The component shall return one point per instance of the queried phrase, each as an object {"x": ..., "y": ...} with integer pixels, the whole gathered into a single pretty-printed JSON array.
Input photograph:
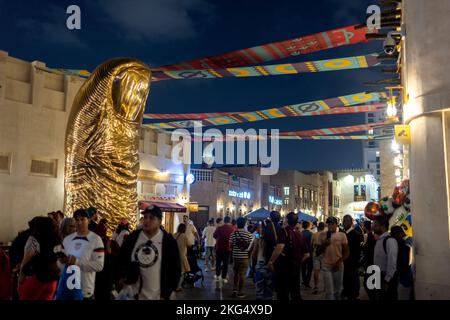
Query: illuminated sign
[
  {"x": 402, "y": 133},
  {"x": 274, "y": 201},
  {"x": 241, "y": 195}
]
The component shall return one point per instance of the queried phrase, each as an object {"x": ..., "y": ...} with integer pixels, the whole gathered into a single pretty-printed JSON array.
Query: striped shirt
[{"x": 240, "y": 241}]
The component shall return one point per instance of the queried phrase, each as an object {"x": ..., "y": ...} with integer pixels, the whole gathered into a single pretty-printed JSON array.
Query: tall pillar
[{"x": 426, "y": 70}]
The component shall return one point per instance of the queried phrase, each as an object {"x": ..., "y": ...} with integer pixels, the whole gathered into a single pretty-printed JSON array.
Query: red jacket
[{"x": 222, "y": 235}]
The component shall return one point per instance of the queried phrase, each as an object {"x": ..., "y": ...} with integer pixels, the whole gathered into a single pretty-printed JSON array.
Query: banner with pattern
[
  {"x": 347, "y": 63},
  {"x": 294, "y": 110},
  {"x": 277, "y": 50}
]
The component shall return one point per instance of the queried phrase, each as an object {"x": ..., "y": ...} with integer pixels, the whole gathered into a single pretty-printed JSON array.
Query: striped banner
[
  {"x": 294, "y": 110},
  {"x": 277, "y": 50},
  {"x": 347, "y": 63},
  {"x": 201, "y": 116},
  {"x": 318, "y": 134}
]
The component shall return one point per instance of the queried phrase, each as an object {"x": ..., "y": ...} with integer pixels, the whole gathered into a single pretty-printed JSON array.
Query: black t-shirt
[{"x": 295, "y": 245}]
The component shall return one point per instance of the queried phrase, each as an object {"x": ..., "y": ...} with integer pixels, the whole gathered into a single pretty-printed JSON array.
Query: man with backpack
[
  {"x": 385, "y": 257},
  {"x": 286, "y": 260},
  {"x": 240, "y": 241},
  {"x": 404, "y": 269}
]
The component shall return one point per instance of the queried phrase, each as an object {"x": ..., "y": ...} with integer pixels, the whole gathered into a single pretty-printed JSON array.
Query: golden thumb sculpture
[{"x": 102, "y": 140}]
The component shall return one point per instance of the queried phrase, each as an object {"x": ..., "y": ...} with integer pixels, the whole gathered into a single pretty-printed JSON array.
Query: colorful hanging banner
[
  {"x": 319, "y": 134},
  {"x": 201, "y": 116},
  {"x": 347, "y": 63},
  {"x": 277, "y": 50},
  {"x": 294, "y": 110}
]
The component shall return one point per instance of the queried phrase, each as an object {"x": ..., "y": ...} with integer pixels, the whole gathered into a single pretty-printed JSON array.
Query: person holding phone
[{"x": 335, "y": 248}]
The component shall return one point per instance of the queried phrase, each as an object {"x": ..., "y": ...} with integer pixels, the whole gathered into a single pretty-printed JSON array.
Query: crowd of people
[{"x": 73, "y": 258}]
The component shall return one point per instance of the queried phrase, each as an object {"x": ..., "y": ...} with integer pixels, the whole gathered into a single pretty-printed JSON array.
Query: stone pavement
[{"x": 213, "y": 290}]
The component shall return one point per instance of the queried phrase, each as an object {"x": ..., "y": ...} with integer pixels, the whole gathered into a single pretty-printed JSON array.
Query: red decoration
[{"x": 373, "y": 209}]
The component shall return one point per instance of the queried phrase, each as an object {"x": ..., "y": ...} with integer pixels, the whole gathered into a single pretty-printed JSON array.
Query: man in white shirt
[
  {"x": 210, "y": 242},
  {"x": 84, "y": 249},
  {"x": 149, "y": 260},
  {"x": 385, "y": 257}
]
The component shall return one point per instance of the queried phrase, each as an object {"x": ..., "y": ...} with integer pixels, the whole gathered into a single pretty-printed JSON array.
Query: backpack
[
  {"x": 402, "y": 256},
  {"x": 292, "y": 249},
  {"x": 240, "y": 242}
]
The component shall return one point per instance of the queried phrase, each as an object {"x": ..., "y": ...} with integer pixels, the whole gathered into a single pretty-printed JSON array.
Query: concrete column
[{"x": 425, "y": 77}]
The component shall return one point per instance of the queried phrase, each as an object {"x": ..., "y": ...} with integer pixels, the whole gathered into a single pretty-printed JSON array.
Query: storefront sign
[
  {"x": 241, "y": 195},
  {"x": 402, "y": 133},
  {"x": 192, "y": 206},
  {"x": 275, "y": 201}
]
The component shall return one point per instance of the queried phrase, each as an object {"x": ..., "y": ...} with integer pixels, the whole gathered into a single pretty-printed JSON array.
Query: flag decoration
[
  {"x": 315, "y": 134},
  {"x": 200, "y": 116},
  {"x": 277, "y": 50},
  {"x": 294, "y": 110},
  {"x": 347, "y": 63}
]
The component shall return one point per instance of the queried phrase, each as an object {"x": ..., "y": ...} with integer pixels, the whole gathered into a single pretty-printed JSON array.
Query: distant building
[{"x": 357, "y": 188}]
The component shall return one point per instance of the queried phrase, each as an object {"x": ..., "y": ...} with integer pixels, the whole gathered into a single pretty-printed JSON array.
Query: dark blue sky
[{"x": 168, "y": 31}]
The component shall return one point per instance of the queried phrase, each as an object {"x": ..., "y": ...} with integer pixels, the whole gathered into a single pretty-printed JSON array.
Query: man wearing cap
[
  {"x": 84, "y": 249},
  {"x": 334, "y": 244},
  {"x": 149, "y": 262}
]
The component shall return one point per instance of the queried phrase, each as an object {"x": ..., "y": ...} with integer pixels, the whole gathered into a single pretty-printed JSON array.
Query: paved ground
[{"x": 213, "y": 290}]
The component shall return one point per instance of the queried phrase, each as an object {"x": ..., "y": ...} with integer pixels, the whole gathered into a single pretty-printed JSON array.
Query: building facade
[{"x": 357, "y": 187}]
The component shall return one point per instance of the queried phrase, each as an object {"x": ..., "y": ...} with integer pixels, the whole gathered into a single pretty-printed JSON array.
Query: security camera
[{"x": 389, "y": 45}]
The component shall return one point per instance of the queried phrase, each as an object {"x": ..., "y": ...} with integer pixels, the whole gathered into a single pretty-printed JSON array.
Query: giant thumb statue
[{"x": 102, "y": 140}]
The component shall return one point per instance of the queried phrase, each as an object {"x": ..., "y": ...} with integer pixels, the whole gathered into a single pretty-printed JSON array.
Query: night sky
[{"x": 168, "y": 31}]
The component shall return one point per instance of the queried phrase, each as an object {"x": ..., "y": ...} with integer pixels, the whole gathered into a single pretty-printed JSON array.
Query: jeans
[
  {"x": 222, "y": 261},
  {"x": 209, "y": 255},
  {"x": 307, "y": 267},
  {"x": 264, "y": 282},
  {"x": 332, "y": 280}
]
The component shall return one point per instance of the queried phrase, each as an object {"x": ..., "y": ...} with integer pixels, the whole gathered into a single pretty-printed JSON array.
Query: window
[
  {"x": 286, "y": 200},
  {"x": 370, "y": 114},
  {"x": 171, "y": 190},
  {"x": 202, "y": 175},
  {"x": 5, "y": 162},
  {"x": 378, "y": 172},
  {"x": 148, "y": 188},
  {"x": 45, "y": 168},
  {"x": 286, "y": 191},
  {"x": 300, "y": 192},
  {"x": 370, "y": 120}
]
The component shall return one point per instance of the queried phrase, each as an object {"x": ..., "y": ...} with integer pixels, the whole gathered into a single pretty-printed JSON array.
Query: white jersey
[{"x": 90, "y": 254}]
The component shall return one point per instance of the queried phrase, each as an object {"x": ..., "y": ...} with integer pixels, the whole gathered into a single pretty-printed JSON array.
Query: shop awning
[
  {"x": 163, "y": 205},
  {"x": 259, "y": 214},
  {"x": 306, "y": 217}
]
